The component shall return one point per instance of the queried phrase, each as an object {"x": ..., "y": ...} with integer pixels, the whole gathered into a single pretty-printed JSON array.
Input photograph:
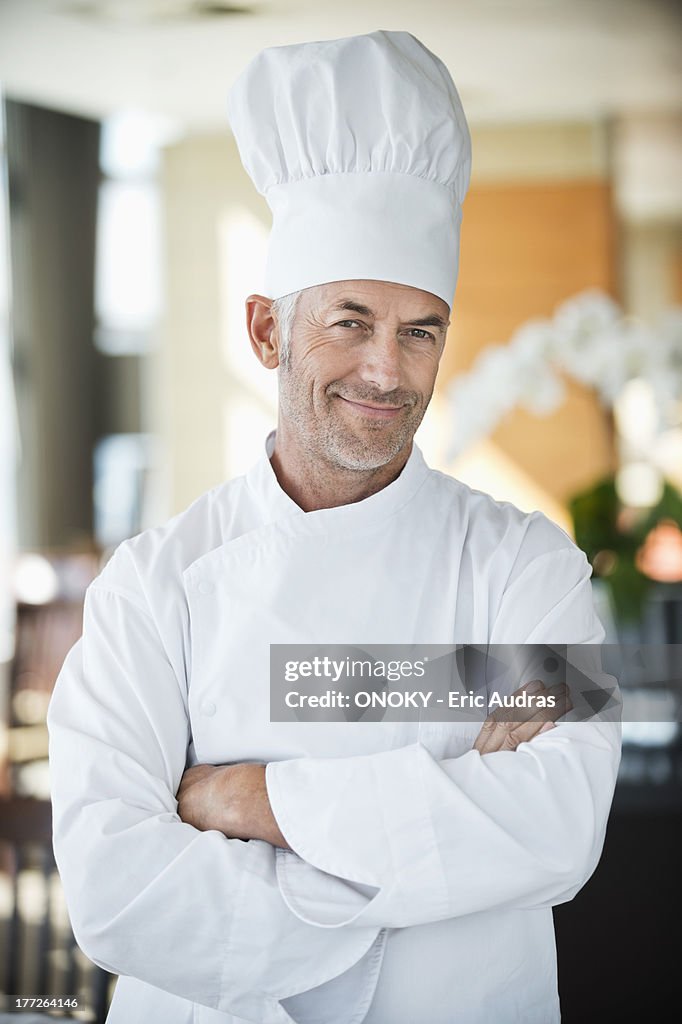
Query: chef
[{"x": 233, "y": 869}]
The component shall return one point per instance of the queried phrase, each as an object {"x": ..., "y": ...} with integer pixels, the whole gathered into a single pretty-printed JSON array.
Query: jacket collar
[{"x": 277, "y": 505}]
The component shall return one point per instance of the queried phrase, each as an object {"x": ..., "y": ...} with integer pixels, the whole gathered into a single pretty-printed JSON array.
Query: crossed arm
[
  {"x": 136, "y": 872},
  {"x": 233, "y": 798}
]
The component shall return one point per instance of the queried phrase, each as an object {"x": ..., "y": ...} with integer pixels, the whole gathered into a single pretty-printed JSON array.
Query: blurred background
[{"x": 130, "y": 236}]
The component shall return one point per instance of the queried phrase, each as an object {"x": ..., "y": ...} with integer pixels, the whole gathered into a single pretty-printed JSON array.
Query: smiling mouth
[{"x": 380, "y": 411}]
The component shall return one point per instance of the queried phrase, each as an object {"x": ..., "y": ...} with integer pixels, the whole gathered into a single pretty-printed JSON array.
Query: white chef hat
[{"x": 362, "y": 151}]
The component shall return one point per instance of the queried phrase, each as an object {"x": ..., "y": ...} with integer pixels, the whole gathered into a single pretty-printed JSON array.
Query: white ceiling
[{"x": 511, "y": 59}]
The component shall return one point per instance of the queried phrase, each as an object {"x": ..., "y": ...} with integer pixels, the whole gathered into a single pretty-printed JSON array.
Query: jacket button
[
  {"x": 208, "y": 708},
  {"x": 205, "y": 587}
]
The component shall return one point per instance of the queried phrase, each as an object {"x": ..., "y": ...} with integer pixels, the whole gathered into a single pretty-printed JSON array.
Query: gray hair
[{"x": 284, "y": 310}]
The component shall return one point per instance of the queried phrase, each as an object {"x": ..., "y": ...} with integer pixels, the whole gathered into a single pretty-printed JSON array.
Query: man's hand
[
  {"x": 230, "y": 798},
  {"x": 498, "y": 734},
  {"x": 233, "y": 798}
]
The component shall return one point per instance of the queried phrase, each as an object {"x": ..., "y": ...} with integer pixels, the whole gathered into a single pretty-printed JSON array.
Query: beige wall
[
  {"x": 651, "y": 267},
  {"x": 203, "y": 184},
  {"x": 525, "y": 248},
  {"x": 538, "y": 227}
]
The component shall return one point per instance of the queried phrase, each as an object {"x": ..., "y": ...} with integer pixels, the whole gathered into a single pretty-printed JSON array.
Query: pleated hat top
[{"x": 361, "y": 148}]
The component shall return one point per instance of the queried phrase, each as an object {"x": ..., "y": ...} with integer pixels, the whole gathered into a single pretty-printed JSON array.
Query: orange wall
[{"x": 524, "y": 248}]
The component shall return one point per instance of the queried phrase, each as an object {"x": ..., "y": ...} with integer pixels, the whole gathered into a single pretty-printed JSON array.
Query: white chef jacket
[{"x": 421, "y": 875}]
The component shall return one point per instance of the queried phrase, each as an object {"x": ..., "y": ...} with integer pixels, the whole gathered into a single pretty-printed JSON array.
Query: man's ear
[{"x": 263, "y": 333}]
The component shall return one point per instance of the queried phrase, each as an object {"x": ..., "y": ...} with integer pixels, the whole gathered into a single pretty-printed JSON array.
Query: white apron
[{"x": 422, "y": 875}]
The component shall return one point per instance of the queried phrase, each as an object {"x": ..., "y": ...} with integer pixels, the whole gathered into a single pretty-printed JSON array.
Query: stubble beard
[{"x": 332, "y": 439}]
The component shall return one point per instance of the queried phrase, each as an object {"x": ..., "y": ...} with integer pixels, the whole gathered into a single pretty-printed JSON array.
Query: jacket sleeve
[
  {"x": 190, "y": 912},
  {"x": 430, "y": 839}
]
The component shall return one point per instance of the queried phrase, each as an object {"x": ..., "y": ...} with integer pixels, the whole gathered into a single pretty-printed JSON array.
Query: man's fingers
[
  {"x": 488, "y": 736},
  {"x": 534, "y": 688},
  {"x": 562, "y": 704},
  {"x": 496, "y": 726},
  {"x": 525, "y": 731},
  {"x": 497, "y": 733}
]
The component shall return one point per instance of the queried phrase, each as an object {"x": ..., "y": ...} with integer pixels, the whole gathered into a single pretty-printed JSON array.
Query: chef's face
[{"x": 361, "y": 370}]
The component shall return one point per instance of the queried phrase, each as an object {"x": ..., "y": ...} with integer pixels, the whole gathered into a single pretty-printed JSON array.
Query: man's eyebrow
[
  {"x": 430, "y": 321},
  {"x": 433, "y": 320},
  {"x": 353, "y": 307}
]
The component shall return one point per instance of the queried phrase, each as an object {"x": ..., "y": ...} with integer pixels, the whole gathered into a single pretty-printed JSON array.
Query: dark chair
[{"x": 38, "y": 953}]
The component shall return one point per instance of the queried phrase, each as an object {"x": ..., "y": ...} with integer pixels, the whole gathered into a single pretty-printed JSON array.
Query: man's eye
[
  {"x": 343, "y": 323},
  {"x": 421, "y": 333}
]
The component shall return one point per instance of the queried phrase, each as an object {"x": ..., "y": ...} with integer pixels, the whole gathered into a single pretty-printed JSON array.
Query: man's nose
[{"x": 381, "y": 360}]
